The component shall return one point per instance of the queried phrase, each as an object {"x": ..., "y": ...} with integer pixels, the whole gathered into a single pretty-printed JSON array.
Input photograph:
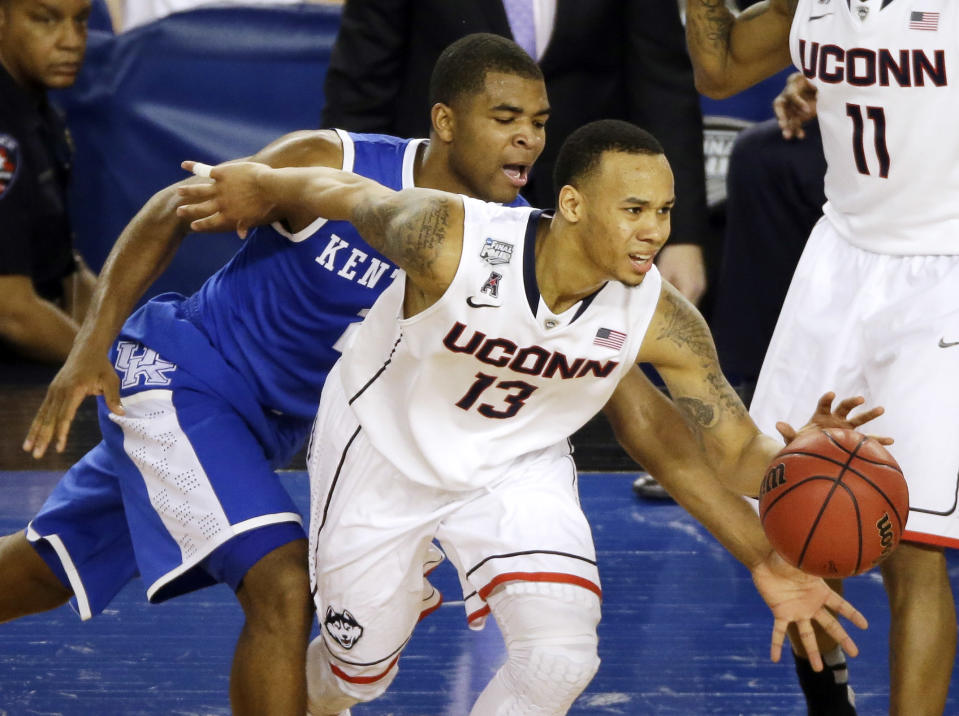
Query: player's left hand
[
  {"x": 795, "y": 106},
  {"x": 230, "y": 199},
  {"x": 799, "y": 598},
  {"x": 682, "y": 265},
  {"x": 827, "y": 416}
]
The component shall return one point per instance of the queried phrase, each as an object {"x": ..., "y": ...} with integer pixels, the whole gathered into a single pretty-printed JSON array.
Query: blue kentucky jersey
[{"x": 276, "y": 311}]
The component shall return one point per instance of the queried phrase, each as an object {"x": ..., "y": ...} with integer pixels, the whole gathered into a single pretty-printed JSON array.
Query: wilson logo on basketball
[
  {"x": 886, "y": 536},
  {"x": 773, "y": 479}
]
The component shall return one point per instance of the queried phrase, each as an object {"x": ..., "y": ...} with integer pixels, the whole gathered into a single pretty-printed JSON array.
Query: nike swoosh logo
[
  {"x": 819, "y": 17},
  {"x": 943, "y": 344},
  {"x": 471, "y": 304}
]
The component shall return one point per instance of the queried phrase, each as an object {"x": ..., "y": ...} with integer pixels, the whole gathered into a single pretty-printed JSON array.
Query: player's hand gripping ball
[{"x": 834, "y": 503}]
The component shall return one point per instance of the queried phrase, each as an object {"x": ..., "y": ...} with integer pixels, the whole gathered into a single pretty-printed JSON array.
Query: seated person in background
[
  {"x": 45, "y": 287},
  {"x": 774, "y": 196}
]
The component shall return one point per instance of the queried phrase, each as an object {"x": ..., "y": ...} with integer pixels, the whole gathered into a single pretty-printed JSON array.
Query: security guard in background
[{"x": 44, "y": 287}]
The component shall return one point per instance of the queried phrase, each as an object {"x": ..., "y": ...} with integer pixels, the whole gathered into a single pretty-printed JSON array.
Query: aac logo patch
[{"x": 9, "y": 162}]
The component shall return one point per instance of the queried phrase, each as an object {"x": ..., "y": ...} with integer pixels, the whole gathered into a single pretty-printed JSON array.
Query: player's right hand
[
  {"x": 80, "y": 376},
  {"x": 795, "y": 106},
  {"x": 795, "y": 597},
  {"x": 230, "y": 198}
]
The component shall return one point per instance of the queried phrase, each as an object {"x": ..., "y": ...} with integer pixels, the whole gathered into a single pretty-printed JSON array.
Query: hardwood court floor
[{"x": 683, "y": 632}]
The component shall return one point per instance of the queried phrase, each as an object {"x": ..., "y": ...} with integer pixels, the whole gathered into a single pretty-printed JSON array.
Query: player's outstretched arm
[
  {"x": 656, "y": 435},
  {"x": 680, "y": 346},
  {"x": 141, "y": 253},
  {"x": 732, "y": 52},
  {"x": 421, "y": 230}
]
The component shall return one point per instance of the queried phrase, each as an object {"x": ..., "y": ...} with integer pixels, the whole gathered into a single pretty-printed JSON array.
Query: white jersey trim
[{"x": 349, "y": 158}]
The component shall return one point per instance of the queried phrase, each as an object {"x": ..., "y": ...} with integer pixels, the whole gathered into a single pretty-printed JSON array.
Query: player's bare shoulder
[{"x": 304, "y": 148}]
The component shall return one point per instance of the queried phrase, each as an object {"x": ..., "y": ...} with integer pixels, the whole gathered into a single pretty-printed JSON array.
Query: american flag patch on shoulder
[
  {"x": 609, "y": 338},
  {"x": 924, "y": 21}
]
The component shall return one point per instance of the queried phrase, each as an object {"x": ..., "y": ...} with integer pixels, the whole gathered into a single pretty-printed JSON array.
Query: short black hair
[
  {"x": 462, "y": 67},
  {"x": 579, "y": 156}
]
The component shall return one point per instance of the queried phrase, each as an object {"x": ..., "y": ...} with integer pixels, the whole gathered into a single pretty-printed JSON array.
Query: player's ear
[
  {"x": 443, "y": 121},
  {"x": 570, "y": 203}
]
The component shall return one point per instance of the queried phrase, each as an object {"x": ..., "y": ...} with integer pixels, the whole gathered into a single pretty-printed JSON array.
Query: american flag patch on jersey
[
  {"x": 924, "y": 21},
  {"x": 609, "y": 338}
]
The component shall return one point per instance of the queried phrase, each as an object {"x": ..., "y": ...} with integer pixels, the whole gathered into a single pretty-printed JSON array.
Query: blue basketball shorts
[{"x": 180, "y": 491}]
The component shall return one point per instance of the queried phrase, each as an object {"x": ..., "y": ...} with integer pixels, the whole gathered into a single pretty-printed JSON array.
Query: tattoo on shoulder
[
  {"x": 713, "y": 34},
  {"x": 684, "y": 328},
  {"x": 418, "y": 241},
  {"x": 412, "y": 244}
]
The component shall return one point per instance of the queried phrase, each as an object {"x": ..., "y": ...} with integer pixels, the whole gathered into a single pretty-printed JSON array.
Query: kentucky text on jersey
[
  {"x": 351, "y": 263},
  {"x": 862, "y": 67},
  {"x": 532, "y": 360}
]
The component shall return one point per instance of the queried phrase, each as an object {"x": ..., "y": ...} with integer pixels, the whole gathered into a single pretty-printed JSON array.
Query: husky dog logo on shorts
[
  {"x": 496, "y": 252},
  {"x": 343, "y": 627}
]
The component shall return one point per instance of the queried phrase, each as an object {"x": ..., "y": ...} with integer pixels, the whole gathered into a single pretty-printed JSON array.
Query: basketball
[{"x": 834, "y": 503}]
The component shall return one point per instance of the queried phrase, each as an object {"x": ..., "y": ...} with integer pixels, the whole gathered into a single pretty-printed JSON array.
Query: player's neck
[
  {"x": 562, "y": 271},
  {"x": 431, "y": 169}
]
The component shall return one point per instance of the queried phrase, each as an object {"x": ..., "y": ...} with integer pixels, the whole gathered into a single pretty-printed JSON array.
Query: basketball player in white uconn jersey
[
  {"x": 873, "y": 307},
  {"x": 448, "y": 415}
]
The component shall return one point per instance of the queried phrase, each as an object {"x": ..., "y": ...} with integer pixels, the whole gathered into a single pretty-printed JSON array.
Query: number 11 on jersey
[{"x": 878, "y": 117}]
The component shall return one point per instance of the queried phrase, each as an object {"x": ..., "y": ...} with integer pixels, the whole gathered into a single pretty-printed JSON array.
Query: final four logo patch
[
  {"x": 9, "y": 162},
  {"x": 496, "y": 252}
]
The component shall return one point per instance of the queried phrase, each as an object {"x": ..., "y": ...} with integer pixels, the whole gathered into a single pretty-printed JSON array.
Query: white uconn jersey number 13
[
  {"x": 886, "y": 75},
  {"x": 488, "y": 373}
]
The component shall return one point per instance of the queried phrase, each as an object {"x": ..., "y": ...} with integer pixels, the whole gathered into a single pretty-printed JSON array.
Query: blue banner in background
[{"x": 209, "y": 84}]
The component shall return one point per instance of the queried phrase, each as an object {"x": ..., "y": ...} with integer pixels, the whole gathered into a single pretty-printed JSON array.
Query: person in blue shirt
[{"x": 202, "y": 398}]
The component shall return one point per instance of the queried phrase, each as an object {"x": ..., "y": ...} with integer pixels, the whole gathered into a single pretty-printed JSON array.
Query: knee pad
[
  {"x": 331, "y": 689},
  {"x": 550, "y": 633}
]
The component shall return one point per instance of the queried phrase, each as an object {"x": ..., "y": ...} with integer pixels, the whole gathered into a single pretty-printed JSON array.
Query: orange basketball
[{"x": 834, "y": 503}]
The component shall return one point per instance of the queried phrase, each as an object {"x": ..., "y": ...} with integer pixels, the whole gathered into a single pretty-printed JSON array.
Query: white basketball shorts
[
  {"x": 885, "y": 327},
  {"x": 372, "y": 530}
]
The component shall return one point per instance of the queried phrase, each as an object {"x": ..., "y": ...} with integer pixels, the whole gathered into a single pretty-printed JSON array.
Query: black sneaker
[{"x": 827, "y": 692}]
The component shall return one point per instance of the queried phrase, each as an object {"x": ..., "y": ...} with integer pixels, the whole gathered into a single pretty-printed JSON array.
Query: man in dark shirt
[{"x": 44, "y": 287}]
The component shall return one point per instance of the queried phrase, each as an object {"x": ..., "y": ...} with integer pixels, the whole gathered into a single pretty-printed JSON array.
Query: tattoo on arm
[
  {"x": 686, "y": 330},
  {"x": 412, "y": 239},
  {"x": 698, "y": 413},
  {"x": 711, "y": 27}
]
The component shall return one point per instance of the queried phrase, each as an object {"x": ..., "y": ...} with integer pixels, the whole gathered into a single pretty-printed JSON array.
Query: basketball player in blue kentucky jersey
[
  {"x": 204, "y": 396},
  {"x": 872, "y": 306},
  {"x": 449, "y": 413}
]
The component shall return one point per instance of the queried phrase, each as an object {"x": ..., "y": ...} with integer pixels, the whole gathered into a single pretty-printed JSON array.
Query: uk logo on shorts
[
  {"x": 343, "y": 627},
  {"x": 146, "y": 364},
  {"x": 9, "y": 162}
]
